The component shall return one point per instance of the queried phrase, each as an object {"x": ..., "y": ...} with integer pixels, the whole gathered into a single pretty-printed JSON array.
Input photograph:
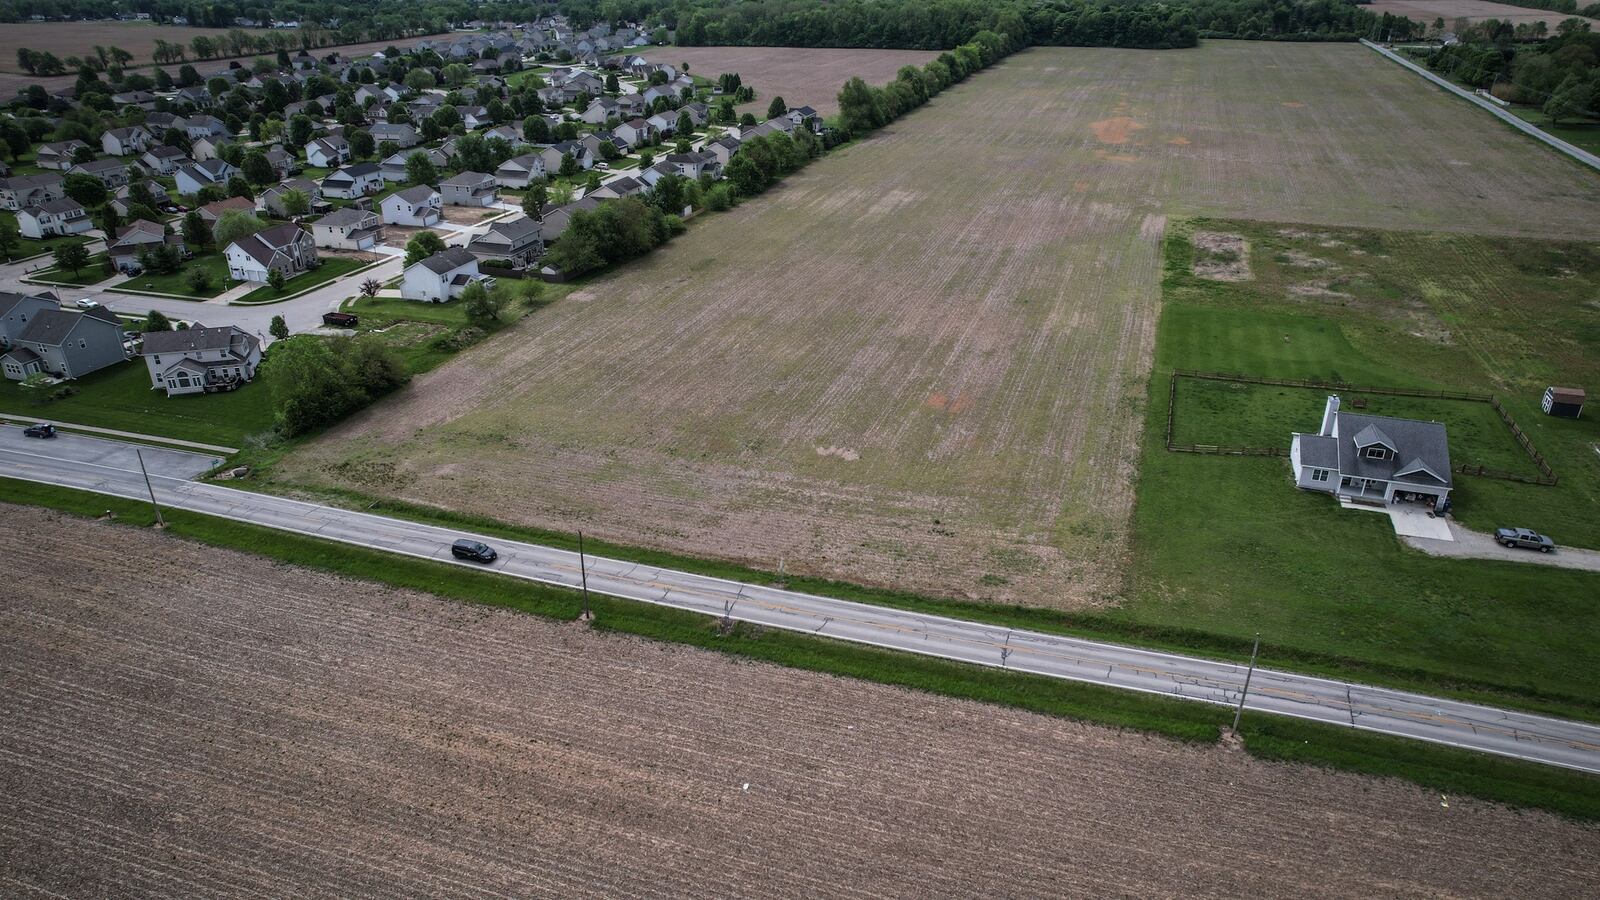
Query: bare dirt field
[
  {"x": 920, "y": 362},
  {"x": 1426, "y": 11},
  {"x": 207, "y": 723},
  {"x": 801, "y": 76}
]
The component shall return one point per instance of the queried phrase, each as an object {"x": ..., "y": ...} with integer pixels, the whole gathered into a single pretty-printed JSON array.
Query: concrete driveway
[{"x": 1469, "y": 544}]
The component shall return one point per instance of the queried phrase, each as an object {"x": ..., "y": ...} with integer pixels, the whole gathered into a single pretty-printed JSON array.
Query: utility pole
[
  {"x": 583, "y": 573},
  {"x": 160, "y": 522},
  {"x": 1252, "y": 670}
]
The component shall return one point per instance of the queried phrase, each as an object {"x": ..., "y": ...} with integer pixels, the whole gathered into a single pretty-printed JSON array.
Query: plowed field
[
  {"x": 183, "y": 721},
  {"x": 801, "y": 76},
  {"x": 920, "y": 362}
]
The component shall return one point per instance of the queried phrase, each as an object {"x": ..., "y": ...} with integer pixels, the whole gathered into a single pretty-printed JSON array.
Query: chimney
[{"x": 1328, "y": 415}]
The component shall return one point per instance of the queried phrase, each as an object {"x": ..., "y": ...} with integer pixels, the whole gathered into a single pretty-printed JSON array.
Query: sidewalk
[{"x": 112, "y": 432}]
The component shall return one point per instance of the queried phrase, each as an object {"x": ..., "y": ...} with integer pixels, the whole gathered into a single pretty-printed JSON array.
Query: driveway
[{"x": 1469, "y": 544}]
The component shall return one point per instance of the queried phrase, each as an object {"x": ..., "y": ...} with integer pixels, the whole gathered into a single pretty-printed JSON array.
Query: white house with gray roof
[
  {"x": 200, "y": 359},
  {"x": 442, "y": 276},
  {"x": 415, "y": 206},
  {"x": 1373, "y": 459}
]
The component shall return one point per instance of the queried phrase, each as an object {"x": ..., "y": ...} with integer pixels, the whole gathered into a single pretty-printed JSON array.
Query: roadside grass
[
  {"x": 332, "y": 267},
  {"x": 1446, "y": 769},
  {"x": 91, "y": 273},
  {"x": 1226, "y": 546},
  {"x": 177, "y": 283},
  {"x": 120, "y": 397}
]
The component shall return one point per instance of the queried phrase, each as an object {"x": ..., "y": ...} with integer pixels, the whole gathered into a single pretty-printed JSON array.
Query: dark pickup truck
[
  {"x": 1523, "y": 537},
  {"x": 340, "y": 320}
]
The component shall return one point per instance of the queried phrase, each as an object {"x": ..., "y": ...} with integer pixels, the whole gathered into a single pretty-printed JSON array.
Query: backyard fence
[{"x": 1546, "y": 475}]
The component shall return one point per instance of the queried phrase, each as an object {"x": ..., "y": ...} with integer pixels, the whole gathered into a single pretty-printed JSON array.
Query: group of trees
[
  {"x": 318, "y": 381},
  {"x": 614, "y": 232},
  {"x": 863, "y": 108},
  {"x": 1561, "y": 75}
]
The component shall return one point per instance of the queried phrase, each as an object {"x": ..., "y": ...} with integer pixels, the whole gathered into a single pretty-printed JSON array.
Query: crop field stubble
[
  {"x": 260, "y": 729},
  {"x": 920, "y": 362},
  {"x": 1426, "y": 11},
  {"x": 801, "y": 76}
]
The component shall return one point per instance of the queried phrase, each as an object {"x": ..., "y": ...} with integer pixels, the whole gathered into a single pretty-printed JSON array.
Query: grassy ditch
[{"x": 1440, "y": 768}]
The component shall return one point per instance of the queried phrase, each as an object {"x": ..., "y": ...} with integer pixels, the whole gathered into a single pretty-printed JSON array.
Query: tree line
[{"x": 1560, "y": 75}]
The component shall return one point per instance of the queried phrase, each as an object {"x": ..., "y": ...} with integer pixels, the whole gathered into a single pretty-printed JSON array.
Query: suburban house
[
  {"x": 348, "y": 229},
  {"x": 1375, "y": 459},
  {"x": 191, "y": 179},
  {"x": 600, "y": 109},
  {"x": 136, "y": 238},
  {"x": 555, "y": 218},
  {"x": 469, "y": 189},
  {"x": 197, "y": 127},
  {"x": 111, "y": 172},
  {"x": 289, "y": 249},
  {"x": 54, "y": 218},
  {"x": 328, "y": 152},
  {"x": 66, "y": 344},
  {"x": 58, "y": 155},
  {"x": 415, "y": 206},
  {"x": 693, "y": 165},
  {"x": 200, "y": 359},
  {"x": 271, "y": 199},
  {"x": 394, "y": 167},
  {"x": 520, "y": 171},
  {"x": 17, "y": 310},
  {"x": 625, "y": 186},
  {"x": 164, "y": 160},
  {"x": 723, "y": 148},
  {"x": 354, "y": 181},
  {"x": 283, "y": 164},
  {"x": 554, "y": 153},
  {"x": 635, "y": 132},
  {"x": 30, "y": 190},
  {"x": 208, "y": 147},
  {"x": 442, "y": 276},
  {"x": 401, "y": 134},
  {"x": 518, "y": 241},
  {"x": 126, "y": 141}
]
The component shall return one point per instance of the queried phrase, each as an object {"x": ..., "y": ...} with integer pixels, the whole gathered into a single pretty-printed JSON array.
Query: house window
[
  {"x": 1319, "y": 474},
  {"x": 1375, "y": 453}
]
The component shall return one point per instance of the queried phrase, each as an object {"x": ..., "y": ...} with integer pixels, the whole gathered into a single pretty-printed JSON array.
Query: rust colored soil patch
[
  {"x": 1116, "y": 130},
  {"x": 208, "y": 723},
  {"x": 982, "y": 248},
  {"x": 801, "y": 76}
]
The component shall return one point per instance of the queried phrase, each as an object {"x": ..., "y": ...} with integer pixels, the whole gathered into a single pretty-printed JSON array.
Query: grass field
[
  {"x": 120, "y": 397},
  {"x": 801, "y": 76},
  {"x": 920, "y": 363},
  {"x": 276, "y": 691},
  {"x": 1419, "y": 310},
  {"x": 214, "y": 263},
  {"x": 91, "y": 273},
  {"x": 332, "y": 267}
]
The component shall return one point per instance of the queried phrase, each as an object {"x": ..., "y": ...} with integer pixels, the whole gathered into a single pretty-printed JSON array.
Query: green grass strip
[{"x": 1445, "y": 769}]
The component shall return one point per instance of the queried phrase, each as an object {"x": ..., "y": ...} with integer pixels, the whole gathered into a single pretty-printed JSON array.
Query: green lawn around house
[
  {"x": 1225, "y": 547},
  {"x": 332, "y": 267},
  {"x": 214, "y": 263},
  {"x": 91, "y": 273},
  {"x": 120, "y": 397},
  {"x": 29, "y": 247}
]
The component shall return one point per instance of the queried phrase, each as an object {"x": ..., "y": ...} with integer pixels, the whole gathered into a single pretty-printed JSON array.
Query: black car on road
[
  {"x": 477, "y": 551},
  {"x": 41, "y": 430}
]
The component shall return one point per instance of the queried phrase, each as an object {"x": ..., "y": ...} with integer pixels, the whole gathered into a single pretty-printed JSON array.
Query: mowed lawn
[
  {"x": 1227, "y": 546},
  {"x": 922, "y": 362}
]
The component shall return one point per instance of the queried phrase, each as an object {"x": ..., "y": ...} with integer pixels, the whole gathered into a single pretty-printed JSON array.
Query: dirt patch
[
  {"x": 1179, "y": 141},
  {"x": 1221, "y": 257},
  {"x": 844, "y": 453},
  {"x": 208, "y": 723},
  {"x": 950, "y": 403},
  {"x": 1115, "y": 130},
  {"x": 469, "y": 215}
]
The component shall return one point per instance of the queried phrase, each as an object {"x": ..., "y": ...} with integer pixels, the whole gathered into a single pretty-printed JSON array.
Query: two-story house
[
  {"x": 520, "y": 171},
  {"x": 518, "y": 242},
  {"x": 66, "y": 344},
  {"x": 354, "y": 181},
  {"x": 19, "y": 191},
  {"x": 200, "y": 359},
  {"x": 287, "y": 248},
  {"x": 54, "y": 218},
  {"x": 442, "y": 276},
  {"x": 328, "y": 152},
  {"x": 348, "y": 229},
  {"x": 418, "y": 206},
  {"x": 469, "y": 189},
  {"x": 126, "y": 141}
]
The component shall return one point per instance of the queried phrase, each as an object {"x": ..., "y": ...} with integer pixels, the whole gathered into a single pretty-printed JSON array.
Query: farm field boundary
[
  {"x": 1522, "y": 125},
  {"x": 1547, "y": 476},
  {"x": 1499, "y": 779}
]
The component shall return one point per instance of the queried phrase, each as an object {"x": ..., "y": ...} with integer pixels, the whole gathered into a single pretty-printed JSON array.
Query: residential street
[{"x": 107, "y": 467}]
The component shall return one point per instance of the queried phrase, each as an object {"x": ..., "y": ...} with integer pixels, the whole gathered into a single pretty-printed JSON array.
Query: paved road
[
  {"x": 88, "y": 464},
  {"x": 1469, "y": 544}
]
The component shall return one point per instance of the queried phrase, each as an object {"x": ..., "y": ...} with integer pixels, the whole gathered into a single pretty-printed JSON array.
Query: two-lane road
[{"x": 89, "y": 464}]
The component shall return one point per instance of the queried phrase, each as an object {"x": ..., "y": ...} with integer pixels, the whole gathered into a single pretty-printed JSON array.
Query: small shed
[{"x": 1564, "y": 402}]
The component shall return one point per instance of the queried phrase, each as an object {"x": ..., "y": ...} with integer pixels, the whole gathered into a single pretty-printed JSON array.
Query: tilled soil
[
  {"x": 802, "y": 76},
  {"x": 185, "y": 721}
]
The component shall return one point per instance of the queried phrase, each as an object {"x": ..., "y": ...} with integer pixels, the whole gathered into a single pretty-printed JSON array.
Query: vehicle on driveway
[
  {"x": 477, "y": 551},
  {"x": 41, "y": 430},
  {"x": 1524, "y": 537}
]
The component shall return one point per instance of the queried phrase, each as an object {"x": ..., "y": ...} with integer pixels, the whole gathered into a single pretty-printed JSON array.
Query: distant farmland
[
  {"x": 801, "y": 76},
  {"x": 921, "y": 361},
  {"x": 1426, "y": 11}
]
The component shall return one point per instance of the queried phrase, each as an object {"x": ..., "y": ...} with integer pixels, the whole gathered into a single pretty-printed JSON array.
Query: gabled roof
[
  {"x": 414, "y": 195},
  {"x": 52, "y": 326},
  {"x": 1423, "y": 446},
  {"x": 447, "y": 260},
  {"x": 57, "y": 206},
  {"x": 345, "y": 217},
  {"x": 1371, "y": 435},
  {"x": 466, "y": 179},
  {"x": 196, "y": 338}
]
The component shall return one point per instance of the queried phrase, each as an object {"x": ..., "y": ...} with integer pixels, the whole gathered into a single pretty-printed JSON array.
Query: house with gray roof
[
  {"x": 442, "y": 276},
  {"x": 519, "y": 241},
  {"x": 1373, "y": 459},
  {"x": 66, "y": 344},
  {"x": 200, "y": 359},
  {"x": 469, "y": 189},
  {"x": 17, "y": 310}
]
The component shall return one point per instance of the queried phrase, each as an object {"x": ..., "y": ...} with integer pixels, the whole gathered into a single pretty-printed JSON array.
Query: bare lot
[
  {"x": 1426, "y": 11},
  {"x": 208, "y": 723},
  {"x": 801, "y": 76},
  {"x": 921, "y": 361}
]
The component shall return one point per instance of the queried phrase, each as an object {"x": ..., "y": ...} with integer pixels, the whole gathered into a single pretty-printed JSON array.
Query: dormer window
[{"x": 1376, "y": 453}]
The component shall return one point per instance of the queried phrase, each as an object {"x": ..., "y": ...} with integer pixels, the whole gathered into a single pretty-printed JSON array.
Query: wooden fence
[{"x": 1546, "y": 475}]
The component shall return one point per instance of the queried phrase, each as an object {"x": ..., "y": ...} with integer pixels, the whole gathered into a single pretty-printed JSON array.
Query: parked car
[
  {"x": 41, "y": 430},
  {"x": 604, "y": 166},
  {"x": 1524, "y": 537},
  {"x": 86, "y": 303},
  {"x": 477, "y": 551}
]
